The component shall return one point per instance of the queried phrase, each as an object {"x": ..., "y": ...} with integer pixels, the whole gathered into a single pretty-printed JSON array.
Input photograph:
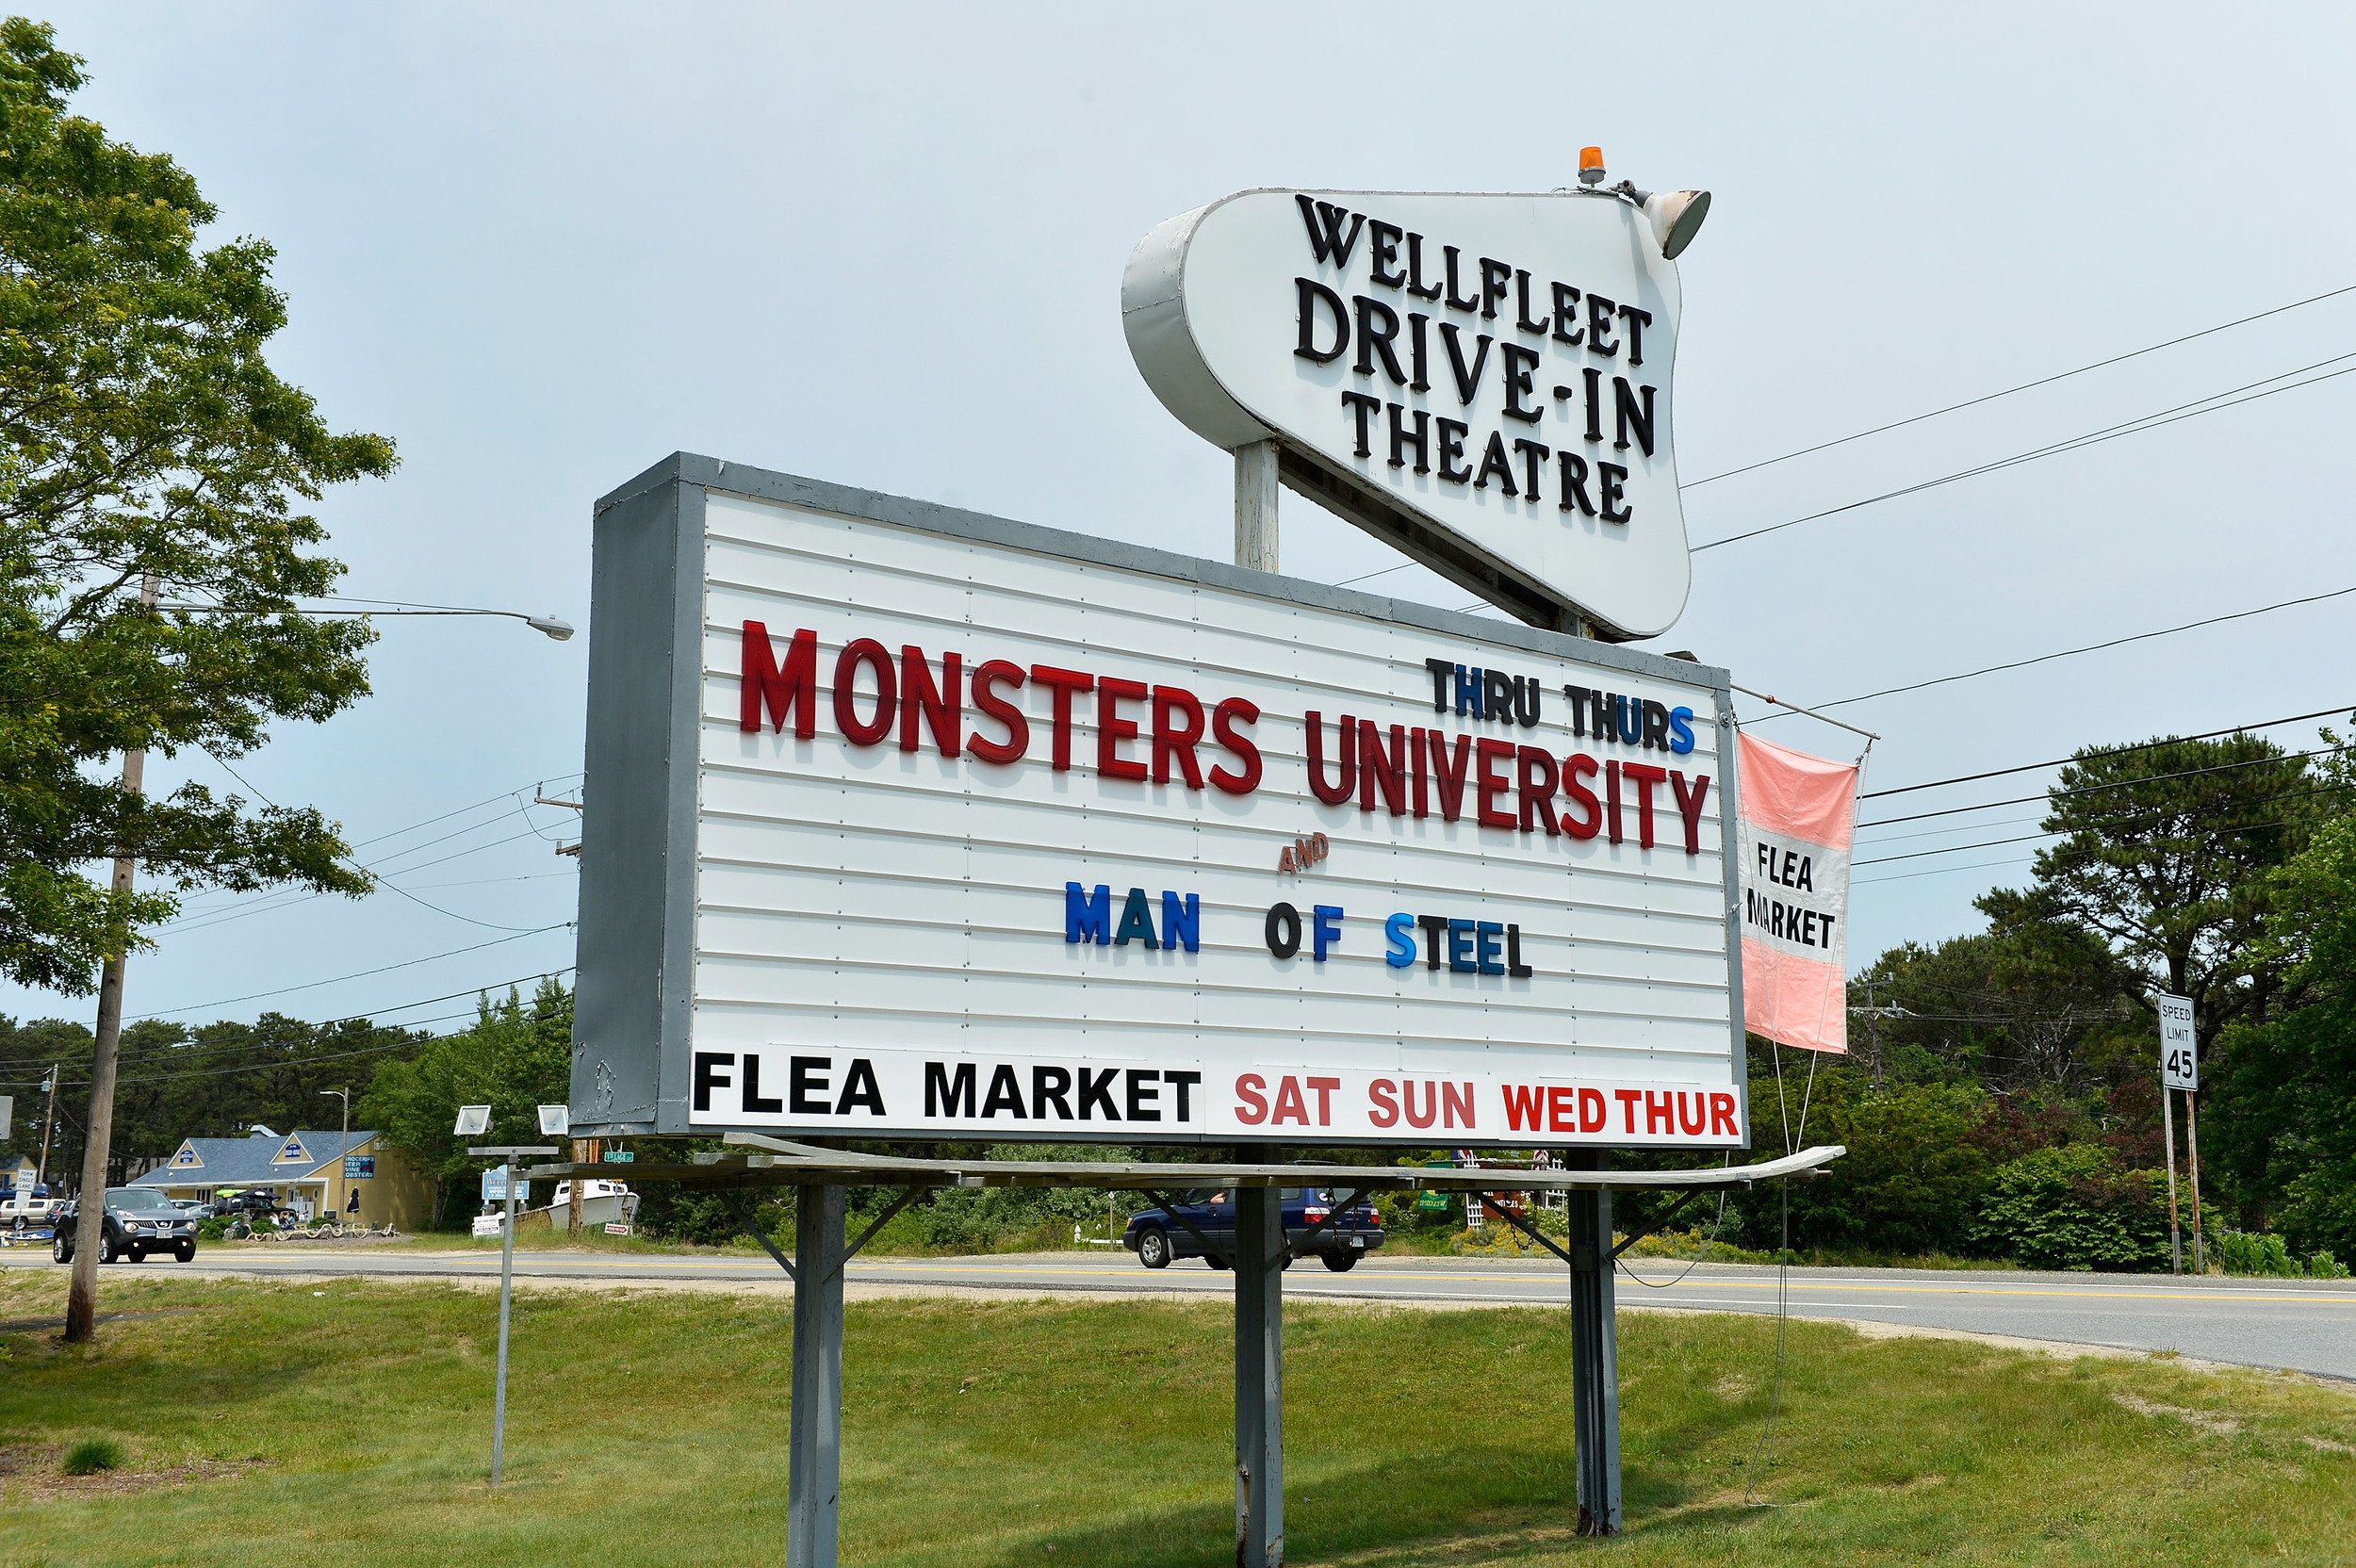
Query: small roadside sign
[
  {"x": 495, "y": 1188},
  {"x": 619, "y": 1157},
  {"x": 2179, "y": 1066},
  {"x": 358, "y": 1168},
  {"x": 617, "y": 1229}
]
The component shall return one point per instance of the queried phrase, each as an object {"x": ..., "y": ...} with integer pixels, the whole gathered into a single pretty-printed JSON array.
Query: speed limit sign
[{"x": 2180, "y": 1068}]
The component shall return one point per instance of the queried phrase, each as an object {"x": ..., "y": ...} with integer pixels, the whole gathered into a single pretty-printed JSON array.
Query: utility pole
[
  {"x": 81, "y": 1305},
  {"x": 48, "y": 1120},
  {"x": 1873, "y": 1033}
]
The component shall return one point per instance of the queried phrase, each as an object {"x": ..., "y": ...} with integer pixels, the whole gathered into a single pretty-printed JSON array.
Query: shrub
[
  {"x": 92, "y": 1455},
  {"x": 2071, "y": 1208},
  {"x": 1908, "y": 1184},
  {"x": 2245, "y": 1252}
]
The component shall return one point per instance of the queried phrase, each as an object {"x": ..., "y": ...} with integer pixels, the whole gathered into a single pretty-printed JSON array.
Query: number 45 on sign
[{"x": 2179, "y": 1068}]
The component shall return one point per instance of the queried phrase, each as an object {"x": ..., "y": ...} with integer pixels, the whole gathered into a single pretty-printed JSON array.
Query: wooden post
[{"x": 572, "y": 1211}]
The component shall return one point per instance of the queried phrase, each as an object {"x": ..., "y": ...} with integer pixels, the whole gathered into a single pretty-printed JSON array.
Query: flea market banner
[{"x": 905, "y": 821}]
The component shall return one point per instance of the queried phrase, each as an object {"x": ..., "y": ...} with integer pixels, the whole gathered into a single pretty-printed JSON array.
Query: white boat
[{"x": 602, "y": 1202}]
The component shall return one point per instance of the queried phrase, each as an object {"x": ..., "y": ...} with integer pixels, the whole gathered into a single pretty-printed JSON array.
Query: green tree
[
  {"x": 144, "y": 435},
  {"x": 2028, "y": 1005},
  {"x": 514, "y": 1059},
  {"x": 2291, "y": 1079},
  {"x": 2165, "y": 856}
]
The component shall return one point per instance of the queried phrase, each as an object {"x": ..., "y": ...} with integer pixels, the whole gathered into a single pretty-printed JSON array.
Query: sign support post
[
  {"x": 2175, "y": 1233},
  {"x": 2180, "y": 1068},
  {"x": 1594, "y": 1356},
  {"x": 1255, "y": 505},
  {"x": 2192, "y": 1148},
  {"x": 1260, "y": 1376},
  {"x": 1259, "y": 1257},
  {"x": 814, "y": 1429},
  {"x": 507, "y": 1295}
]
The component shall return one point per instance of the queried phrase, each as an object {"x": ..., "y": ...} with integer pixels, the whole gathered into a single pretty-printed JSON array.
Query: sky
[{"x": 543, "y": 247}]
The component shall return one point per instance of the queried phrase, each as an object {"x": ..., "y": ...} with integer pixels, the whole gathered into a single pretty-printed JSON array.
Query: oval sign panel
[{"x": 1482, "y": 382}]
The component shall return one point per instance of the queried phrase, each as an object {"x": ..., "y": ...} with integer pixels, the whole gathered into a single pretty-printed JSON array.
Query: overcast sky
[{"x": 543, "y": 247}]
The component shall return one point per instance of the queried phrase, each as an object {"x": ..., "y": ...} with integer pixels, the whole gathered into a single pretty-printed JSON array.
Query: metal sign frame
[{"x": 634, "y": 1010}]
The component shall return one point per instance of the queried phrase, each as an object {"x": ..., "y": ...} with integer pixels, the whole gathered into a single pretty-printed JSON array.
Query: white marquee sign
[{"x": 1484, "y": 380}]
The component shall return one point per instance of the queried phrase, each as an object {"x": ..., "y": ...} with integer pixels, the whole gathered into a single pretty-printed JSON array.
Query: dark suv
[
  {"x": 1157, "y": 1238},
  {"x": 138, "y": 1221}
]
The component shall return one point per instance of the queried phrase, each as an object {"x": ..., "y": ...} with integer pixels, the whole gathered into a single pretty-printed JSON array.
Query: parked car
[
  {"x": 138, "y": 1221},
  {"x": 26, "y": 1211},
  {"x": 1156, "y": 1238}
]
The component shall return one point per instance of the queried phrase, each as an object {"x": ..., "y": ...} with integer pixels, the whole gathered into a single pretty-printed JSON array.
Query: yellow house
[{"x": 355, "y": 1176}]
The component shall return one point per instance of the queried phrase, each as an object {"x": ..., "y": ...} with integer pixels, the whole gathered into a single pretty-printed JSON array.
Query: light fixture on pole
[
  {"x": 550, "y": 625},
  {"x": 473, "y": 1122},
  {"x": 555, "y": 1121},
  {"x": 343, "y": 1149}
]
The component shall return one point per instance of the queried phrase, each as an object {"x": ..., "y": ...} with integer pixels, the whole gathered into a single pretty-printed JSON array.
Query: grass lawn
[{"x": 349, "y": 1424}]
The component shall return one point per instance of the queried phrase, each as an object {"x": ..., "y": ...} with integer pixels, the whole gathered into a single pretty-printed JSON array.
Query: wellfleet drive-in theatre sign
[{"x": 907, "y": 821}]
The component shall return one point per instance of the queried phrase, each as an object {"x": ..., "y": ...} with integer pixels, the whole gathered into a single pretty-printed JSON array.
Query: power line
[
  {"x": 205, "y": 919},
  {"x": 2125, "y": 823},
  {"x": 314, "y": 985},
  {"x": 1943, "y": 871},
  {"x": 2107, "y": 751},
  {"x": 2092, "y": 438},
  {"x": 202, "y": 913},
  {"x": 2116, "y": 784},
  {"x": 355, "y": 1018},
  {"x": 2024, "y": 387},
  {"x": 2091, "y": 648},
  {"x": 379, "y": 880},
  {"x": 1951, "y": 849},
  {"x": 1951, "y": 408}
]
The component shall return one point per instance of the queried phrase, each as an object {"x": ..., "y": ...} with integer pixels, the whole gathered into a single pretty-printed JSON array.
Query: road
[{"x": 2301, "y": 1325}]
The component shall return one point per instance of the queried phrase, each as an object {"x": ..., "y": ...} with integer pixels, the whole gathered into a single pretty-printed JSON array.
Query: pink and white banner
[{"x": 1797, "y": 814}]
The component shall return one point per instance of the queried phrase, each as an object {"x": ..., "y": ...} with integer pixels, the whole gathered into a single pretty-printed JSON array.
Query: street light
[
  {"x": 551, "y": 626},
  {"x": 343, "y": 1149}
]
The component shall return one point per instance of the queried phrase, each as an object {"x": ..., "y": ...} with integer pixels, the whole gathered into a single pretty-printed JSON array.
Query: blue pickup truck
[{"x": 1156, "y": 1238}]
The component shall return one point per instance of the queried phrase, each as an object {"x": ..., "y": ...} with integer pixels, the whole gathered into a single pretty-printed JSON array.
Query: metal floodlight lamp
[
  {"x": 556, "y": 1121},
  {"x": 1675, "y": 215},
  {"x": 473, "y": 1121}
]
